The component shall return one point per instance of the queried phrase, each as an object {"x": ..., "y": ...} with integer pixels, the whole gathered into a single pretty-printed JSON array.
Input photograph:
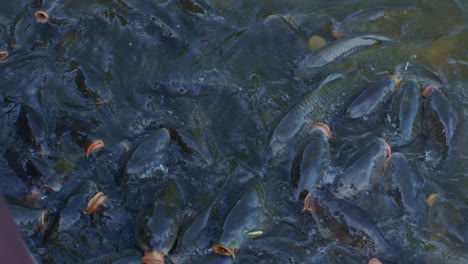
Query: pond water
[{"x": 192, "y": 92}]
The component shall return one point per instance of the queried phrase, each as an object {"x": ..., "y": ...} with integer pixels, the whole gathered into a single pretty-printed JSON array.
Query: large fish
[
  {"x": 342, "y": 221},
  {"x": 313, "y": 108},
  {"x": 157, "y": 228},
  {"x": 312, "y": 63}
]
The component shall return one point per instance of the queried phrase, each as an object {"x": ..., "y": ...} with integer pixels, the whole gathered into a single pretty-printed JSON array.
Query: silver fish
[
  {"x": 339, "y": 49},
  {"x": 375, "y": 20}
]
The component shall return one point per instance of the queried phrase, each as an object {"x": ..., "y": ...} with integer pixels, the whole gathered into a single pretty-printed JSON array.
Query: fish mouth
[
  {"x": 430, "y": 200},
  {"x": 388, "y": 160},
  {"x": 308, "y": 204},
  {"x": 153, "y": 257},
  {"x": 428, "y": 89},
  {"x": 337, "y": 34},
  {"x": 41, "y": 16},
  {"x": 397, "y": 82},
  {"x": 95, "y": 202},
  {"x": 387, "y": 149},
  {"x": 324, "y": 128},
  {"x": 225, "y": 251}
]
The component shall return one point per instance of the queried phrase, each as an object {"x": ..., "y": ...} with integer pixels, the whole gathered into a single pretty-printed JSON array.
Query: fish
[
  {"x": 342, "y": 48},
  {"x": 407, "y": 111},
  {"x": 440, "y": 119},
  {"x": 402, "y": 183},
  {"x": 444, "y": 219},
  {"x": 158, "y": 226},
  {"x": 387, "y": 21},
  {"x": 373, "y": 96},
  {"x": 365, "y": 173},
  {"x": 315, "y": 158},
  {"x": 244, "y": 222},
  {"x": 146, "y": 159},
  {"x": 314, "y": 108},
  {"x": 346, "y": 223},
  {"x": 192, "y": 7}
]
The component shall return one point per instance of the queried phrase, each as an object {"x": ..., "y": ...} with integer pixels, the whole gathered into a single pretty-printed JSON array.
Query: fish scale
[
  {"x": 314, "y": 107},
  {"x": 340, "y": 49}
]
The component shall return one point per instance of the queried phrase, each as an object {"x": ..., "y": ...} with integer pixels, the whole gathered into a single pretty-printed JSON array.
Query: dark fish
[
  {"x": 244, "y": 222},
  {"x": 70, "y": 215},
  {"x": 388, "y": 21},
  {"x": 313, "y": 108},
  {"x": 32, "y": 127},
  {"x": 315, "y": 158},
  {"x": 402, "y": 183},
  {"x": 365, "y": 173},
  {"x": 444, "y": 219},
  {"x": 157, "y": 227},
  {"x": 148, "y": 157},
  {"x": 339, "y": 49},
  {"x": 440, "y": 119},
  {"x": 372, "y": 96},
  {"x": 342, "y": 221},
  {"x": 407, "y": 113}
]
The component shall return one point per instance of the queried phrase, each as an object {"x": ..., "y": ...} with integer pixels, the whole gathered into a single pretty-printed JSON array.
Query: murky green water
[{"x": 219, "y": 76}]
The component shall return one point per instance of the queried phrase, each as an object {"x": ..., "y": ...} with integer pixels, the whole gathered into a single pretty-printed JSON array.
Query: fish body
[
  {"x": 145, "y": 159},
  {"x": 374, "y": 20},
  {"x": 244, "y": 222},
  {"x": 402, "y": 183},
  {"x": 440, "y": 119},
  {"x": 339, "y": 49},
  {"x": 157, "y": 227},
  {"x": 314, "y": 108},
  {"x": 315, "y": 158},
  {"x": 365, "y": 173},
  {"x": 407, "y": 110},
  {"x": 348, "y": 224},
  {"x": 372, "y": 96}
]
